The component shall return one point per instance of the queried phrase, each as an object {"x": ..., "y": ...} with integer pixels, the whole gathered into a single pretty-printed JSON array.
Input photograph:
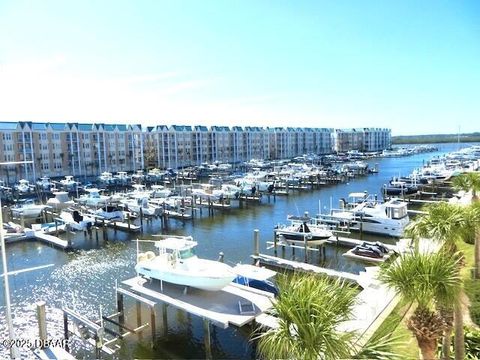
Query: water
[{"x": 84, "y": 279}]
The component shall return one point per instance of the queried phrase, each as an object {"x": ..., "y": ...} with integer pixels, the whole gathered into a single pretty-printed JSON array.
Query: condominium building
[
  {"x": 58, "y": 149},
  {"x": 362, "y": 139}
]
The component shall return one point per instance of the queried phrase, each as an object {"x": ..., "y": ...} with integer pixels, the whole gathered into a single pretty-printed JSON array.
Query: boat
[
  {"x": 27, "y": 208},
  {"x": 24, "y": 186},
  {"x": 177, "y": 263},
  {"x": 75, "y": 220},
  {"x": 113, "y": 213},
  {"x": 301, "y": 229},
  {"x": 255, "y": 277},
  {"x": 44, "y": 183},
  {"x": 69, "y": 183},
  {"x": 93, "y": 198},
  {"x": 367, "y": 214},
  {"x": 106, "y": 178},
  {"x": 141, "y": 202},
  {"x": 60, "y": 201},
  {"x": 160, "y": 191}
]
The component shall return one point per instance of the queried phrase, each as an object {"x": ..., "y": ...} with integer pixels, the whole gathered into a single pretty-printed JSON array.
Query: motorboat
[
  {"x": 24, "y": 186},
  {"x": 122, "y": 178},
  {"x": 106, "y": 178},
  {"x": 60, "y": 201},
  {"x": 93, "y": 198},
  {"x": 113, "y": 213},
  {"x": 301, "y": 229},
  {"x": 141, "y": 203},
  {"x": 44, "y": 183},
  {"x": 28, "y": 209},
  {"x": 69, "y": 183},
  {"x": 367, "y": 214},
  {"x": 75, "y": 220},
  {"x": 160, "y": 191},
  {"x": 255, "y": 277},
  {"x": 177, "y": 263}
]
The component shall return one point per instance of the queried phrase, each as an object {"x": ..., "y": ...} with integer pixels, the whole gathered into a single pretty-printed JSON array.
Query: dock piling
[
  {"x": 207, "y": 339},
  {"x": 42, "y": 321},
  {"x": 256, "y": 242}
]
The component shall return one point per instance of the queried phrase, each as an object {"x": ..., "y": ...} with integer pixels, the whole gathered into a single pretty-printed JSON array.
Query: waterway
[{"x": 84, "y": 279}]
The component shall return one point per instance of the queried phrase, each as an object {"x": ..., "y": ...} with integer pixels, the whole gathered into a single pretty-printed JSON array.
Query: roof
[
  {"x": 176, "y": 243},
  {"x": 8, "y": 125}
]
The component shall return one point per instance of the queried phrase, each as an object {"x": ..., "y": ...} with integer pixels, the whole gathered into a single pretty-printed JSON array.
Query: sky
[{"x": 412, "y": 66}]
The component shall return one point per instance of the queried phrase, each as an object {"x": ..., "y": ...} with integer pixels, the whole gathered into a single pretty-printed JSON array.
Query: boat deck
[{"x": 222, "y": 307}]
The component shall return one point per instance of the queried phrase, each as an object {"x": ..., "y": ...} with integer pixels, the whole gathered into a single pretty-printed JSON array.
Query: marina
[{"x": 108, "y": 255}]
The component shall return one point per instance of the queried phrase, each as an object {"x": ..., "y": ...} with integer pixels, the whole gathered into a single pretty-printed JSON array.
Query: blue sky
[{"x": 413, "y": 66}]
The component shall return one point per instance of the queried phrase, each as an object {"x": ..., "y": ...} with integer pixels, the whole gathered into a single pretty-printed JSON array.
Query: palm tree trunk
[
  {"x": 428, "y": 348},
  {"x": 476, "y": 255},
  {"x": 459, "y": 336},
  {"x": 447, "y": 341}
]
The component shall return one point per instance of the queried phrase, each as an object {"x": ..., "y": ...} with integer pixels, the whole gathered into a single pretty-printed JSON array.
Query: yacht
[
  {"x": 113, "y": 213},
  {"x": 28, "y": 209},
  {"x": 177, "y": 263},
  {"x": 369, "y": 215}
]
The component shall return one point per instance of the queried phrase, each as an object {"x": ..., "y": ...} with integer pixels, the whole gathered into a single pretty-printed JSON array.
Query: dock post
[
  {"x": 56, "y": 227},
  {"x": 139, "y": 313},
  {"x": 141, "y": 217},
  {"x": 22, "y": 221},
  {"x": 121, "y": 314},
  {"x": 305, "y": 246},
  {"x": 256, "y": 242},
  {"x": 65, "y": 331},
  {"x": 165, "y": 319},
  {"x": 194, "y": 200},
  {"x": 42, "y": 321},
  {"x": 152, "y": 323},
  {"x": 129, "y": 221},
  {"x": 207, "y": 339}
]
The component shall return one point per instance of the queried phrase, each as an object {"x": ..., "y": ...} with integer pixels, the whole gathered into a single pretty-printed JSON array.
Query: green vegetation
[
  {"x": 309, "y": 308},
  {"x": 435, "y": 138}
]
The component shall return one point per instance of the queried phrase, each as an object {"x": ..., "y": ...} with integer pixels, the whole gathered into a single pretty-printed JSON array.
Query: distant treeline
[{"x": 437, "y": 138}]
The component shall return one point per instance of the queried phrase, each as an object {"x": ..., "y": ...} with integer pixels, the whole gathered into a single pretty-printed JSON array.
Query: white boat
[
  {"x": 60, "y": 201},
  {"x": 44, "y": 183},
  {"x": 112, "y": 213},
  {"x": 76, "y": 221},
  {"x": 301, "y": 229},
  {"x": 69, "y": 183},
  {"x": 24, "y": 186},
  {"x": 160, "y": 191},
  {"x": 141, "y": 202},
  {"x": 28, "y": 209},
  {"x": 93, "y": 198},
  {"x": 106, "y": 178},
  {"x": 122, "y": 178},
  {"x": 369, "y": 215},
  {"x": 177, "y": 263}
]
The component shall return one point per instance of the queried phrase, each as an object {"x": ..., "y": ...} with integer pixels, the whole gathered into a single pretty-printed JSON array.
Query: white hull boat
[
  {"x": 60, "y": 201},
  {"x": 177, "y": 263},
  {"x": 28, "y": 209}
]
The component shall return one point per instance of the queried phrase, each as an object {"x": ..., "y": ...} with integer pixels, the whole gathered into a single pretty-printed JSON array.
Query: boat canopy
[{"x": 176, "y": 244}]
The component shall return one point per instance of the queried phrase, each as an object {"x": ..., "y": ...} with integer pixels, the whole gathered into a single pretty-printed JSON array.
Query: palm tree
[
  {"x": 431, "y": 281},
  {"x": 468, "y": 182},
  {"x": 446, "y": 224},
  {"x": 309, "y": 308}
]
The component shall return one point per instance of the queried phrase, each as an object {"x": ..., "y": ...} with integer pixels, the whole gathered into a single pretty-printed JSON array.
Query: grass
[
  {"x": 407, "y": 347},
  {"x": 472, "y": 286}
]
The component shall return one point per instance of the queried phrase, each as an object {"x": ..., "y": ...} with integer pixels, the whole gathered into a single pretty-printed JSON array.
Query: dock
[
  {"x": 223, "y": 308},
  {"x": 51, "y": 240},
  {"x": 274, "y": 261}
]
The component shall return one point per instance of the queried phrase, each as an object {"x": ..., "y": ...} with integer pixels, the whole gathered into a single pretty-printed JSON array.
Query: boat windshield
[{"x": 187, "y": 253}]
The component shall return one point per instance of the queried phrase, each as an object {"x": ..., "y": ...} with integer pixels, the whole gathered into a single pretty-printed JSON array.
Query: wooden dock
[
  {"x": 51, "y": 240},
  {"x": 300, "y": 266}
]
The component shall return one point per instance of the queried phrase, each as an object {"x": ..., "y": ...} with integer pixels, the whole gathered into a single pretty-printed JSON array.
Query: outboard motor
[
  {"x": 77, "y": 217},
  {"x": 270, "y": 188}
]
